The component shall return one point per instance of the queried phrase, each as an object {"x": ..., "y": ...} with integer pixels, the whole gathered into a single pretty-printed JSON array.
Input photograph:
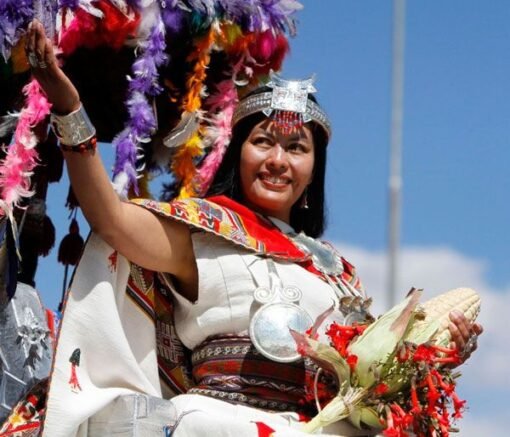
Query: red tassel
[
  {"x": 264, "y": 430},
  {"x": 71, "y": 246},
  {"x": 74, "y": 359},
  {"x": 112, "y": 261},
  {"x": 73, "y": 381}
]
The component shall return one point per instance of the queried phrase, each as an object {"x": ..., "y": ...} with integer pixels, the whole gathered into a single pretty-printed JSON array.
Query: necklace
[
  {"x": 324, "y": 258},
  {"x": 351, "y": 302}
]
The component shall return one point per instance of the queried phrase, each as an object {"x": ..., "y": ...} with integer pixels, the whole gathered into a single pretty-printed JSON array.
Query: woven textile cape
[{"x": 117, "y": 334}]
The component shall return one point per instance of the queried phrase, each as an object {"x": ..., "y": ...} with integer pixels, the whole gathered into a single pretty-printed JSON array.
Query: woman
[{"x": 242, "y": 274}]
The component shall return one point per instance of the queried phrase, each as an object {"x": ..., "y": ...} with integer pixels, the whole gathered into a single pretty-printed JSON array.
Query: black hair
[{"x": 311, "y": 221}]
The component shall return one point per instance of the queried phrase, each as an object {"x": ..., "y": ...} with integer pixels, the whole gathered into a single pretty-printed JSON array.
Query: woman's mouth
[{"x": 272, "y": 181}]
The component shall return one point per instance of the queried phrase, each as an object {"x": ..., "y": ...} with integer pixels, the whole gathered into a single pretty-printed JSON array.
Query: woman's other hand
[
  {"x": 61, "y": 92},
  {"x": 464, "y": 334}
]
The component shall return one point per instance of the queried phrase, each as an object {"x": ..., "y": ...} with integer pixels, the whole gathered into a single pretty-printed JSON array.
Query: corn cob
[
  {"x": 375, "y": 351},
  {"x": 436, "y": 311}
]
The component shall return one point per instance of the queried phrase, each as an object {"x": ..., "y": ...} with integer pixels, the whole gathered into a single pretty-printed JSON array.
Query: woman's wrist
[
  {"x": 68, "y": 109},
  {"x": 73, "y": 129}
]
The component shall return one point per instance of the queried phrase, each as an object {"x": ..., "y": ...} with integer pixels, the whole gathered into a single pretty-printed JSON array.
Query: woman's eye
[
  {"x": 297, "y": 147},
  {"x": 261, "y": 141}
]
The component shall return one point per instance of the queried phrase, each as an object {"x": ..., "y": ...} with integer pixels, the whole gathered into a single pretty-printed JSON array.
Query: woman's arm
[{"x": 152, "y": 242}]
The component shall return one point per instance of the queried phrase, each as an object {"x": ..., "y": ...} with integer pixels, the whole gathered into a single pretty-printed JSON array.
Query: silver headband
[{"x": 288, "y": 104}]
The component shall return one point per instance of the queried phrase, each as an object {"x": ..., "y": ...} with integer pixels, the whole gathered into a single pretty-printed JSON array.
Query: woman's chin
[{"x": 273, "y": 203}]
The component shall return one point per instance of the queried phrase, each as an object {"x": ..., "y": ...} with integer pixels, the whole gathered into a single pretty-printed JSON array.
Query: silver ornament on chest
[{"x": 270, "y": 325}]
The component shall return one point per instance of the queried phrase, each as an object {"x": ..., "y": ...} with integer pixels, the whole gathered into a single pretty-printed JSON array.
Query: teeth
[{"x": 274, "y": 179}]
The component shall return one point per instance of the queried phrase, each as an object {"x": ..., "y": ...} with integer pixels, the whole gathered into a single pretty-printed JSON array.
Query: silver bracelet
[{"x": 74, "y": 128}]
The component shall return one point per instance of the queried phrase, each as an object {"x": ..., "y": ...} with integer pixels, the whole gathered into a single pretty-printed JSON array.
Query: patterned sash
[{"x": 228, "y": 367}]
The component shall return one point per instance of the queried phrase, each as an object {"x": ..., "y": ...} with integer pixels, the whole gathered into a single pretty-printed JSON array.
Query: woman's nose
[{"x": 278, "y": 158}]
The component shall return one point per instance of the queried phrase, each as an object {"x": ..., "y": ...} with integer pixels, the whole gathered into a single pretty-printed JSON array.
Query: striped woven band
[{"x": 263, "y": 103}]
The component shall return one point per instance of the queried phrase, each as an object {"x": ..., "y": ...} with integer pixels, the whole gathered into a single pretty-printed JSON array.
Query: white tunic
[
  {"x": 228, "y": 276},
  {"x": 117, "y": 340}
]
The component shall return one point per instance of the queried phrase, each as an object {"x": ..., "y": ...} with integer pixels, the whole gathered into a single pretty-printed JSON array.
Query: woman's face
[{"x": 275, "y": 168}]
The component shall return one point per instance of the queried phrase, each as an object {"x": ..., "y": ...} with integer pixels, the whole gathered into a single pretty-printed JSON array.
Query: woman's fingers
[
  {"x": 461, "y": 328},
  {"x": 40, "y": 44},
  {"x": 60, "y": 91},
  {"x": 477, "y": 328},
  {"x": 49, "y": 55},
  {"x": 36, "y": 45},
  {"x": 31, "y": 37},
  {"x": 457, "y": 336},
  {"x": 464, "y": 334}
]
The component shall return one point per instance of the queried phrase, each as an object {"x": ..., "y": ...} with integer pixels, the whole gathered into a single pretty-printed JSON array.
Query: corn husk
[
  {"x": 379, "y": 342},
  {"x": 376, "y": 350}
]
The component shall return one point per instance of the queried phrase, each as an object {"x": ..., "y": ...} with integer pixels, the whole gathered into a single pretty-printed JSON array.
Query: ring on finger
[
  {"x": 470, "y": 345},
  {"x": 32, "y": 59},
  {"x": 42, "y": 64}
]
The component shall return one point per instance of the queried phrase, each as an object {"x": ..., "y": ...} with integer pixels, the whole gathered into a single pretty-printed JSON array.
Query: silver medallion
[
  {"x": 352, "y": 304},
  {"x": 270, "y": 325},
  {"x": 324, "y": 258},
  {"x": 270, "y": 330}
]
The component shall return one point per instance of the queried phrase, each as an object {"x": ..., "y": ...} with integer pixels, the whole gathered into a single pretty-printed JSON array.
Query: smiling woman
[
  {"x": 276, "y": 169},
  {"x": 190, "y": 301},
  {"x": 307, "y": 212}
]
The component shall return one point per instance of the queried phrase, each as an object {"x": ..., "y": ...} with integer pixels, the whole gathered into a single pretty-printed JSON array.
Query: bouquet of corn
[{"x": 392, "y": 374}]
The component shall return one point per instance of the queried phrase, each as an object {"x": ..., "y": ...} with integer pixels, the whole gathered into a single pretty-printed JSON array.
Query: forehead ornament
[{"x": 287, "y": 104}]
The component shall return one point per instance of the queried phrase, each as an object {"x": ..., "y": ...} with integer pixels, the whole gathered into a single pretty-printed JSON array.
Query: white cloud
[
  {"x": 438, "y": 269},
  {"x": 483, "y": 426}
]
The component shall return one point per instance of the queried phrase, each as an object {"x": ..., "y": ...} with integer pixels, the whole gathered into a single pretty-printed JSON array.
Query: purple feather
[
  {"x": 173, "y": 17},
  {"x": 141, "y": 115},
  {"x": 14, "y": 18},
  {"x": 141, "y": 124},
  {"x": 125, "y": 151},
  {"x": 274, "y": 14},
  {"x": 237, "y": 10},
  {"x": 71, "y": 4}
]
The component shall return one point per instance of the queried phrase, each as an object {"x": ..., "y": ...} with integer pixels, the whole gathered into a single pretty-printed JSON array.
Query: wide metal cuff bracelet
[
  {"x": 263, "y": 103},
  {"x": 74, "y": 128}
]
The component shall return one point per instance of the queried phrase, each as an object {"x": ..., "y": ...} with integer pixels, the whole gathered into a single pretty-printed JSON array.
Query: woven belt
[{"x": 228, "y": 367}]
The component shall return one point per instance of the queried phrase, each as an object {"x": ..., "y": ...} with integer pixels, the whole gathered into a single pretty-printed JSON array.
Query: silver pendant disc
[{"x": 269, "y": 330}]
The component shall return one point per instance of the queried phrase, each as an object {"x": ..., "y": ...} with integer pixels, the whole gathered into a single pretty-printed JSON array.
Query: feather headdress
[{"x": 190, "y": 60}]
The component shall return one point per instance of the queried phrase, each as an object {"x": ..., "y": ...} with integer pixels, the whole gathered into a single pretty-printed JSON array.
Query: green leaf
[
  {"x": 380, "y": 339},
  {"x": 325, "y": 356},
  {"x": 370, "y": 417}
]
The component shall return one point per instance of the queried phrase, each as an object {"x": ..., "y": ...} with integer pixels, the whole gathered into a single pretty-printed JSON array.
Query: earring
[{"x": 304, "y": 200}]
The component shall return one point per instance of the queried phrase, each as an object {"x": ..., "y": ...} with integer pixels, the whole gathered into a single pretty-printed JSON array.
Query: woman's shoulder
[{"x": 213, "y": 215}]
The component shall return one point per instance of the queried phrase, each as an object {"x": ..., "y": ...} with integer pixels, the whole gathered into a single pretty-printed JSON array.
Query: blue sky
[
  {"x": 456, "y": 188},
  {"x": 456, "y": 134}
]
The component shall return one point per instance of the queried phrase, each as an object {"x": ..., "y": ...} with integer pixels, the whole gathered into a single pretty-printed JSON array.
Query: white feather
[
  {"x": 91, "y": 9},
  {"x": 120, "y": 183},
  {"x": 8, "y": 124},
  {"x": 121, "y": 5},
  {"x": 150, "y": 17}
]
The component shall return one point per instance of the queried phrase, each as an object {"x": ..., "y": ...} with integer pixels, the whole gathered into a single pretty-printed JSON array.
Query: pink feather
[
  {"x": 222, "y": 103},
  {"x": 21, "y": 158}
]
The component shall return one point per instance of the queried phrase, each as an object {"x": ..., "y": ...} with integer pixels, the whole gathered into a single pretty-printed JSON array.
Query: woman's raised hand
[{"x": 61, "y": 92}]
